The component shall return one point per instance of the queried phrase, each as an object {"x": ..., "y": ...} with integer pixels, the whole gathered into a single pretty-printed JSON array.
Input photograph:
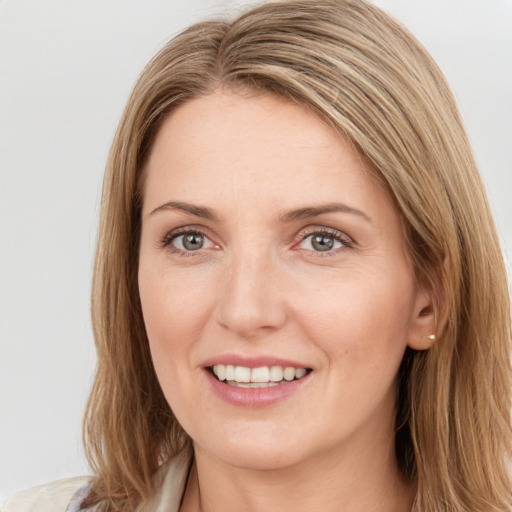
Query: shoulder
[
  {"x": 67, "y": 495},
  {"x": 53, "y": 497}
]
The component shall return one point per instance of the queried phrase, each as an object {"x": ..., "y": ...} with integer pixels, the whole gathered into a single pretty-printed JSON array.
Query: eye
[
  {"x": 325, "y": 241},
  {"x": 187, "y": 241}
]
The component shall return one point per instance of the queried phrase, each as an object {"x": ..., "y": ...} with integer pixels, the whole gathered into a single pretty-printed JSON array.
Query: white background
[{"x": 66, "y": 69}]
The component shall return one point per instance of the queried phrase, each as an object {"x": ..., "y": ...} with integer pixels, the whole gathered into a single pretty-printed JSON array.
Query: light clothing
[
  {"x": 45, "y": 498},
  {"x": 66, "y": 495}
]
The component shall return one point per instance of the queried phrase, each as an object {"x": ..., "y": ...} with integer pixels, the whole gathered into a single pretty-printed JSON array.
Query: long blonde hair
[{"x": 365, "y": 75}]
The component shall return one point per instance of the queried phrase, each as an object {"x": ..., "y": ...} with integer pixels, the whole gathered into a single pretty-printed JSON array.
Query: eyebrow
[
  {"x": 315, "y": 211},
  {"x": 197, "y": 211},
  {"x": 307, "y": 212}
]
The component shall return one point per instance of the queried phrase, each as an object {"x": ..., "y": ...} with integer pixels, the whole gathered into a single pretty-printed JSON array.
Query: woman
[{"x": 299, "y": 299}]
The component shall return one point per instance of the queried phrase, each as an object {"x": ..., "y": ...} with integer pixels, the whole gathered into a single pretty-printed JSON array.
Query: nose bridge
[{"x": 250, "y": 301}]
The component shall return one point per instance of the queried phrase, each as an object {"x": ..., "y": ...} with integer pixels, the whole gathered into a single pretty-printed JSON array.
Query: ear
[{"x": 423, "y": 326}]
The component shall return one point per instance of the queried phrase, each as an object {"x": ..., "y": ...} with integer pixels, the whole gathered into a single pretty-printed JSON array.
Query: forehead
[{"x": 256, "y": 146}]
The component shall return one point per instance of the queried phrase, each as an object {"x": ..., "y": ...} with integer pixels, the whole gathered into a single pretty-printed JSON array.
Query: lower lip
[{"x": 254, "y": 397}]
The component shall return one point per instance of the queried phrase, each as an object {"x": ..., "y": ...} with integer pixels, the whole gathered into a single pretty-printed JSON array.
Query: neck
[{"x": 351, "y": 480}]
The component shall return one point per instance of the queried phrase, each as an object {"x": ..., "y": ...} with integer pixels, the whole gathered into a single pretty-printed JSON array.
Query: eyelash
[
  {"x": 345, "y": 240},
  {"x": 167, "y": 240},
  {"x": 338, "y": 236}
]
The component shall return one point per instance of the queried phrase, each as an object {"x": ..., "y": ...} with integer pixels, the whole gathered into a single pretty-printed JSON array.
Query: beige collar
[{"x": 170, "y": 482}]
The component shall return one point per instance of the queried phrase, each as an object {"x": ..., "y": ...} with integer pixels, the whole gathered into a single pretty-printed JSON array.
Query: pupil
[
  {"x": 322, "y": 243},
  {"x": 193, "y": 242}
]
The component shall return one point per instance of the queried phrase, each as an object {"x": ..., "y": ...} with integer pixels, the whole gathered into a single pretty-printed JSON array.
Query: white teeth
[
  {"x": 262, "y": 376},
  {"x": 236, "y": 384},
  {"x": 221, "y": 372},
  {"x": 300, "y": 372},
  {"x": 242, "y": 374},
  {"x": 230, "y": 372},
  {"x": 289, "y": 373},
  {"x": 276, "y": 374}
]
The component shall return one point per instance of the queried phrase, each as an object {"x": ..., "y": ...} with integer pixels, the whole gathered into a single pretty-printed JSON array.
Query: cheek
[
  {"x": 358, "y": 313},
  {"x": 174, "y": 316},
  {"x": 361, "y": 326},
  {"x": 174, "y": 305},
  {"x": 175, "y": 311}
]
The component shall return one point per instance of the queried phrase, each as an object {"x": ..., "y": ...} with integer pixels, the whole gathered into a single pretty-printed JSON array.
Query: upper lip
[{"x": 252, "y": 362}]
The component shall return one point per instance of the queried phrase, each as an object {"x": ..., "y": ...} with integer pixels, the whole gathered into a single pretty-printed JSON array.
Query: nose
[{"x": 251, "y": 301}]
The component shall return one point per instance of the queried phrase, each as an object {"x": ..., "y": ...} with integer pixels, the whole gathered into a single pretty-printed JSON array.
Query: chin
[
  {"x": 256, "y": 451},
  {"x": 256, "y": 459}
]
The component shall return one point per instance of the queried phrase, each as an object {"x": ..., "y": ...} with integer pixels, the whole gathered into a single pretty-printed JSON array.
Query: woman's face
[{"x": 269, "y": 252}]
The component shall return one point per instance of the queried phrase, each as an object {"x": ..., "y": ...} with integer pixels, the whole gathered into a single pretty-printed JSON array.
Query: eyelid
[
  {"x": 347, "y": 241},
  {"x": 166, "y": 240},
  {"x": 175, "y": 233}
]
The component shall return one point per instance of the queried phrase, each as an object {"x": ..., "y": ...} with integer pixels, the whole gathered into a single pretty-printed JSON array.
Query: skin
[{"x": 258, "y": 286}]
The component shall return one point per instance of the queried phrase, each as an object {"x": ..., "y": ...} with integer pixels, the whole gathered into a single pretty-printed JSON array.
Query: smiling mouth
[{"x": 261, "y": 377}]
